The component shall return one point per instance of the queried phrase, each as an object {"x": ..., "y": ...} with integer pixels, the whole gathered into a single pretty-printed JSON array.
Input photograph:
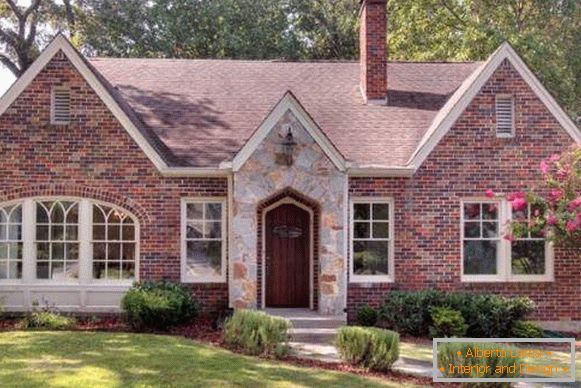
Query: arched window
[
  {"x": 11, "y": 242},
  {"x": 67, "y": 240}
]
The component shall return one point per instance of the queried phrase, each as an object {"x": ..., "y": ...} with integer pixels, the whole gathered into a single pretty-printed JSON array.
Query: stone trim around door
[{"x": 284, "y": 196}]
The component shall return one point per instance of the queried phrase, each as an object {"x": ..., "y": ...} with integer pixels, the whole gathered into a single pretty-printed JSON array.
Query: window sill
[
  {"x": 203, "y": 280},
  {"x": 370, "y": 279},
  {"x": 515, "y": 279}
]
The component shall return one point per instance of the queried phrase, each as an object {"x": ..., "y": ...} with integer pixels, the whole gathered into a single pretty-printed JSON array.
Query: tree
[{"x": 23, "y": 30}]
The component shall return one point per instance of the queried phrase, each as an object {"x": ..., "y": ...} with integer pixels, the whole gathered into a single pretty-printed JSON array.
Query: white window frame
[
  {"x": 85, "y": 231},
  {"x": 504, "y": 252},
  {"x": 183, "y": 241},
  {"x": 53, "y": 119},
  {"x": 390, "y": 278},
  {"x": 512, "y": 124}
]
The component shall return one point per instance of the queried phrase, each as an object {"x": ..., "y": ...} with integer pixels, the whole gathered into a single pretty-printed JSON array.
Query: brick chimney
[{"x": 372, "y": 50}]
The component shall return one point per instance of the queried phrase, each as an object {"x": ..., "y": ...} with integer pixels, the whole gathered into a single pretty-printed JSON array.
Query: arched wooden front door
[{"x": 287, "y": 233}]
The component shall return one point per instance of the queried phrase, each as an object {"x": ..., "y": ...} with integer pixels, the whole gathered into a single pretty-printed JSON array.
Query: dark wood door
[{"x": 287, "y": 257}]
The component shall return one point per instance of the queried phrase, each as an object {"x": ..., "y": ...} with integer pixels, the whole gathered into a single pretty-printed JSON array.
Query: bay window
[
  {"x": 67, "y": 241},
  {"x": 203, "y": 240},
  {"x": 487, "y": 256},
  {"x": 371, "y": 240}
]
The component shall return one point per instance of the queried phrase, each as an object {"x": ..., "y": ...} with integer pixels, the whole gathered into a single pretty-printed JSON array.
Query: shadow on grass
[{"x": 73, "y": 359}]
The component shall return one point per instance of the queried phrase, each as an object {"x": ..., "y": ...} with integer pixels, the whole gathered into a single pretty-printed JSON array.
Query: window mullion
[
  {"x": 506, "y": 251},
  {"x": 28, "y": 234},
  {"x": 85, "y": 237}
]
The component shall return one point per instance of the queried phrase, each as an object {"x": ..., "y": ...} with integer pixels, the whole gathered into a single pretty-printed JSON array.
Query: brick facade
[
  {"x": 95, "y": 157},
  {"x": 469, "y": 160}
]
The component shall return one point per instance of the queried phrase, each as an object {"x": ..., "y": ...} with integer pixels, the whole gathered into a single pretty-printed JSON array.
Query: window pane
[
  {"x": 471, "y": 229},
  {"x": 114, "y": 251},
  {"x": 128, "y": 252},
  {"x": 114, "y": 270},
  {"x": 361, "y": 230},
  {"x": 15, "y": 270},
  {"x": 213, "y": 211},
  {"x": 71, "y": 232},
  {"x": 195, "y": 211},
  {"x": 528, "y": 257},
  {"x": 128, "y": 233},
  {"x": 490, "y": 211},
  {"x": 3, "y": 231},
  {"x": 42, "y": 270},
  {"x": 471, "y": 211},
  {"x": 99, "y": 250},
  {"x": 58, "y": 251},
  {"x": 194, "y": 230},
  {"x": 72, "y": 251},
  {"x": 128, "y": 270},
  {"x": 480, "y": 257},
  {"x": 213, "y": 230},
  {"x": 72, "y": 270},
  {"x": 370, "y": 257},
  {"x": 3, "y": 251},
  {"x": 15, "y": 232},
  {"x": 380, "y": 230},
  {"x": 42, "y": 251},
  {"x": 204, "y": 258},
  {"x": 41, "y": 214},
  {"x": 57, "y": 232},
  {"x": 361, "y": 211},
  {"x": 489, "y": 229},
  {"x": 98, "y": 215},
  {"x": 98, "y": 270},
  {"x": 57, "y": 214},
  {"x": 99, "y": 232},
  {"x": 115, "y": 216},
  {"x": 42, "y": 233},
  {"x": 381, "y": 211},
  {"x": 113, "y": 232},
  {"x": 58, "y": 270},
  {"x": 73, "y": 215}
]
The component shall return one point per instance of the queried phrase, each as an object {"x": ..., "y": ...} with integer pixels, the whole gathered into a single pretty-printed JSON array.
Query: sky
[{"x": 6, "y": 79}]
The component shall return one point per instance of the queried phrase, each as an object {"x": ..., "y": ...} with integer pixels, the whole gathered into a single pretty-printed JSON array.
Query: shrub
[
  {"x": 447, "y": 322},
  {"x": 448, "y": 354},
  {"x": 366, "y": 316},
  {"x": 522, "y": 329},
  {"x": 373, "y": 348},
  {"x": 486, "y": 315},
  {"x": 158, "y": 305},
  {"x": 49, "y": 320},
  {"x": 257, "y": 333}
]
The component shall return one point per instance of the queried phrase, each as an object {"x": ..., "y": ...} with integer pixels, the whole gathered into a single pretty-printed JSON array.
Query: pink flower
[
  {"x": 555, "y": 157},
  {"x": 544, "y": 167},
  {"x": 519, "y": 204},
  {"x": 571, "y": 226},
  {"x": 574, "y": 204},
  {"x": 490, "y": 193},
  {"x": 552, "y": 220},
  {"x": 509, "y": 237},
  {"x": 517, "y": 194},
  {"x": 579, "y": 216},
  {"x": 555, "y": 195}
]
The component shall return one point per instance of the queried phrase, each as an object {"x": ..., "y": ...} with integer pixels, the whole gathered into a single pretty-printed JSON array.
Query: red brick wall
[
  {"x": 95, "y": 157},
  {"x": 373, "y": 48},
  {"x": 469, "y": 160}
]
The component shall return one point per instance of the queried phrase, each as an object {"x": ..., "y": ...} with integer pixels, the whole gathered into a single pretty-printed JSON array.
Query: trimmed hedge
[
  {"x": 158, "y": 305},
  {"x": 257, "y": 333},
  {"x": 486, "y": 315},
  {"x": 523, "y": 329},
  {"x": 447, "y": 322},
  {"x": 373, "y": 348}
]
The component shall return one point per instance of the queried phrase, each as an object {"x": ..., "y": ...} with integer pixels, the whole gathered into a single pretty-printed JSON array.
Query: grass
[
  {"x": 85, "y": 359},
  {"x": 423, "y": 352}
]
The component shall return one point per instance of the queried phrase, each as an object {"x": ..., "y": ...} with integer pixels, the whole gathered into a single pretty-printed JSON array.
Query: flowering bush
[{"x": 555, "y": 214}]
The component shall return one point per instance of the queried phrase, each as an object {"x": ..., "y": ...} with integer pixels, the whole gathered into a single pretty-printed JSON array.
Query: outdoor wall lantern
[{"x": 286, "y": 149}]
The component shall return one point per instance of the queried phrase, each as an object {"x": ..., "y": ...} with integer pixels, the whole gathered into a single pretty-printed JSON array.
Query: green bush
[
  {"x": 48, "y": 320},
  {"x": 158, "y": 305},
  {"x": 366, "y": 315},
  {"x": 486, "y": 315},
  {"x": 455, "y": 354},
  {"x": 447, "y": 322},
  {"x": 257, "y": 333},
  {"x": 373, "y": 348},
  {"x": 522, "y": 329}
]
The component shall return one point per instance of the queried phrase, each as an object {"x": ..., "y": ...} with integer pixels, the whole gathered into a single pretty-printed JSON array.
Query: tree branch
[{"x": 4, "y": 60}]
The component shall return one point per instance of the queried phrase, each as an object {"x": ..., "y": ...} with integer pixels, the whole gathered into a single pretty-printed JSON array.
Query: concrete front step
[{"x": 309, "y": 326}]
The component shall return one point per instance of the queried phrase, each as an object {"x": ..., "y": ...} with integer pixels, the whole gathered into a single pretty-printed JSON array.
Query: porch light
[{"x": 287, "y": 148}]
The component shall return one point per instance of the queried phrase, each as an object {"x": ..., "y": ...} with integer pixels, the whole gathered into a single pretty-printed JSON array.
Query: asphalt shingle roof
[{"x": 203, "y": 111}]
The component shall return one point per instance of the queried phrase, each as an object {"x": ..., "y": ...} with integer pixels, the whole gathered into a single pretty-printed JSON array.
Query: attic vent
[
  {"x": 60, "y": 110},
  {"x": 504, "y": 116}
]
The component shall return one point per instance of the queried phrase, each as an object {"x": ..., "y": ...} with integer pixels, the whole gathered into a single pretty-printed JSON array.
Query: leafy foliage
[
  {"x": 158, "y": 305},
  {"x": 447, "y": 322},
  {"x": 372, "y": 348},
  {"x": 486, "y": 315},
  {"x": 522, "y": 329},
  {"x": 257, "y": 333},
  {"x": 366, "y": 315},
  {"x": 48, "y": 320}
]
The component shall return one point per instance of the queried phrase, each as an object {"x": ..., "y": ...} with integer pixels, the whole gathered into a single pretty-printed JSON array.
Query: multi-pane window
[
  {"x": 481, "y": 238},
  {"x": 528, "y": 251},
  {"x": 11, "y": 242},
  {"x": 488, "y": 256},
  {"x": 203, "y": 240},
  {"x": 371, "y": 241},
  {"x": 64, "y": 240},
  {"x": 113, "y": 243},
  {"x": 57, "y": 240}
]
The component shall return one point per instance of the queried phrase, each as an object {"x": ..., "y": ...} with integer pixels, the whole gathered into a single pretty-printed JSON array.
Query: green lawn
[{"x": 83, "y": 359}]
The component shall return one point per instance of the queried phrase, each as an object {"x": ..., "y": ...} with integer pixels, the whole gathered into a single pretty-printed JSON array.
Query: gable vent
[
  {"x": 60, "y": 110},
  {"x": 504, "y": 116}
]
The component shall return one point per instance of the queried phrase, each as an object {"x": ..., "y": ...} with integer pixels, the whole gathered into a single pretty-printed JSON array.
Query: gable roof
[
  {"x": 289, "y": 103},
  {"x": 455, "y": 106}
]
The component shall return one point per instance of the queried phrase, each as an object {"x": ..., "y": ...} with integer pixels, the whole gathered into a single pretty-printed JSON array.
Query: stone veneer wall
[{"x": 313, "y": 176}]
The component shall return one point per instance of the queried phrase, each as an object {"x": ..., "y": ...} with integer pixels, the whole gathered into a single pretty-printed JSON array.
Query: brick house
[{"x": 320, "y": 185}]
